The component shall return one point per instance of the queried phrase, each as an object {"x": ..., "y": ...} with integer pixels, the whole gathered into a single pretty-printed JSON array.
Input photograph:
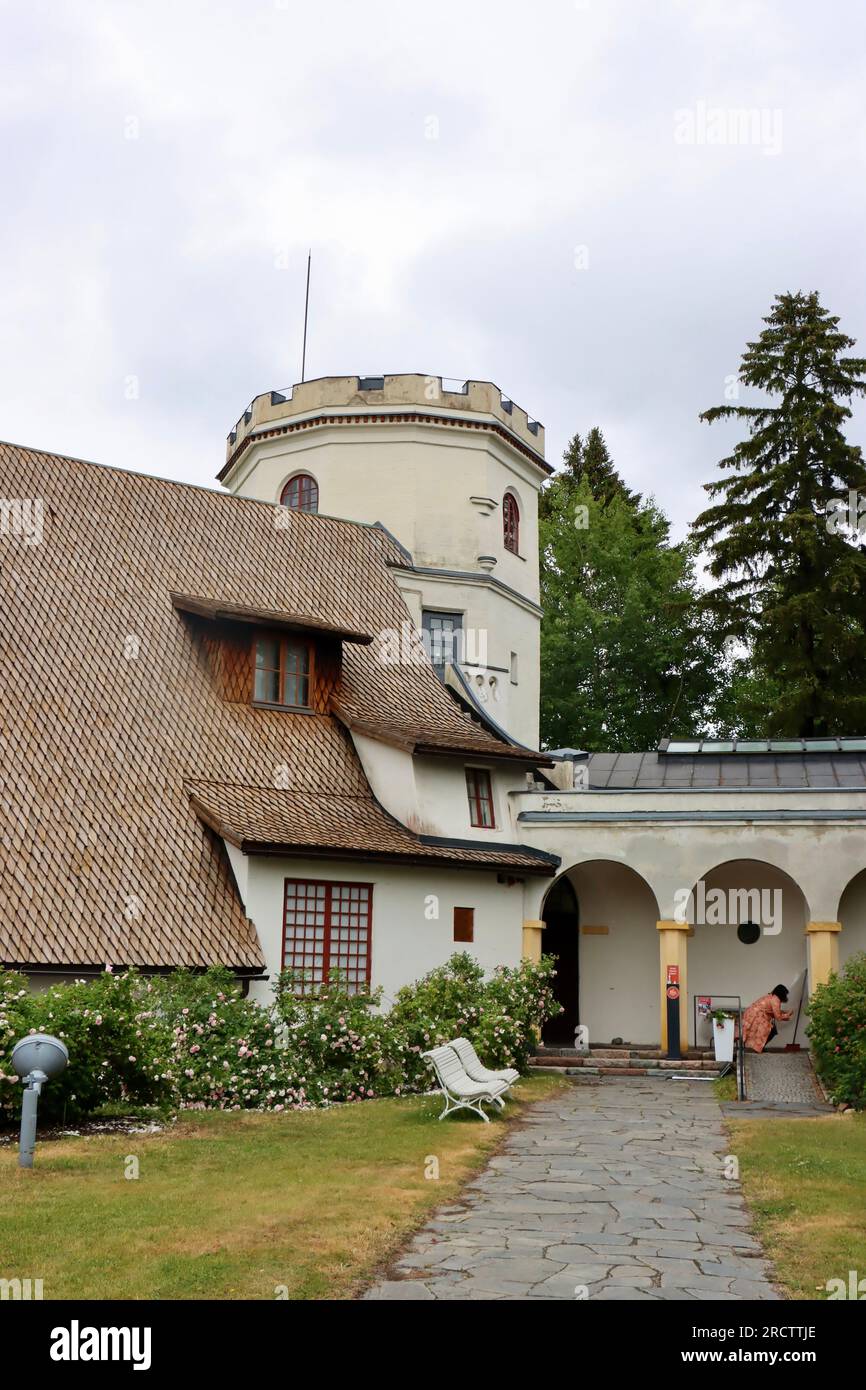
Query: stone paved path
[
  {"x": 781, "y": 1077},
  {"x": 612, "y": 1191}
]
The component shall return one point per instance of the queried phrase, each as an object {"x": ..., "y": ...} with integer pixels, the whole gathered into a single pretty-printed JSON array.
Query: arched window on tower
[
  {"x": 301, "y": 493},
  {"x": 511, "y": 523}
]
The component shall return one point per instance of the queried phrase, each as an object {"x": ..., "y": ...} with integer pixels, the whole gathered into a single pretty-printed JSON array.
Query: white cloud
[{"x": 264, "y": 129}]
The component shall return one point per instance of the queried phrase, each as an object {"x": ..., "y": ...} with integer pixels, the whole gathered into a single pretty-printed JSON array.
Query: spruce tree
[
  {"x": 591, "y": 459},
  {"x": 792, "y": 582}
]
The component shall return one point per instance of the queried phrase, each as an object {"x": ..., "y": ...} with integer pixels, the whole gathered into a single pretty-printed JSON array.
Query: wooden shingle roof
[{"x": 108, "y": 709}]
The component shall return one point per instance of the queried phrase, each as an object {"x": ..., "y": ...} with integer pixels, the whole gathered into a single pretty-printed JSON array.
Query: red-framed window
[
  {"x": 480, "y": 798},
  {"x": 283, "y": 672},
  {"x": 327, "y": 929},
  {"x": 301, "y": 493},
  {"x": 511, "y": 523}
]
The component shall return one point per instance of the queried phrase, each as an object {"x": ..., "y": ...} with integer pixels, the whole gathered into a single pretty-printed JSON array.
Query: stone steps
[
  {"x": 642, "y": 1050},
  {"x": 625, "y": 1064},
  {"x": 623, "y": 1061}
]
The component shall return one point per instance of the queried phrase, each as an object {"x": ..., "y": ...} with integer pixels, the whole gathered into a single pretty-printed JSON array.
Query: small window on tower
[
  {"x": 511, "y": 523},
  {"x": 443, "y": 637},
  {"x": 301, "y": 493},
  {"x": 514, "y": 668}
]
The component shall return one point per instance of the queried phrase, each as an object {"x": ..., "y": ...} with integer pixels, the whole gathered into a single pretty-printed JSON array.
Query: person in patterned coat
[{"x": 760, "y": 1018}]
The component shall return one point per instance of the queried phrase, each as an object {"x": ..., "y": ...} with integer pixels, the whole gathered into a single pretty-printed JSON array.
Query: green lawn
[
  {"x": 805, "y": 1181},
  {"x": 239, "y": 1205}
]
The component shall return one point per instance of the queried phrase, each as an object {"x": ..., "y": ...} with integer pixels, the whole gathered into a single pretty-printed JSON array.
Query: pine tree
[{"x": 792, "y": 583}]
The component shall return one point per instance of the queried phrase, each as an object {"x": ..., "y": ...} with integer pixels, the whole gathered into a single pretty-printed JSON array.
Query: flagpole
[{"x": 306, "y": 314}]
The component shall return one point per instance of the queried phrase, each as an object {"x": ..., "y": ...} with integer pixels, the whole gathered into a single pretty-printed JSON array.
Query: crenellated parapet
[{"x": 353, "y": 399}]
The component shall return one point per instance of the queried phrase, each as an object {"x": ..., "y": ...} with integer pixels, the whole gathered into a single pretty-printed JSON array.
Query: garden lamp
[{"x": 37, "y": 1059}]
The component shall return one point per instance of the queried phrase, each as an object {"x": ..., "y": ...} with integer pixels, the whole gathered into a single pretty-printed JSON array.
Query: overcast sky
[{"x": 526, "y": 194}]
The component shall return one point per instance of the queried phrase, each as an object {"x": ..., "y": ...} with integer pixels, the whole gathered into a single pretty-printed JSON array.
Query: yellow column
[
  {"x": 532, "y": 929},
  {"x": 673, "y": 950},
  {"x": 823, "y": 944}
]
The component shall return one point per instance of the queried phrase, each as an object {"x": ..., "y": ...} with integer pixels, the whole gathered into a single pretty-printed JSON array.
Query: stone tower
[{"x": 452, "y": 469}]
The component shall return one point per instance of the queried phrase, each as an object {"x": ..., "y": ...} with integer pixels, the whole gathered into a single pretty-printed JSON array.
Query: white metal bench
[
  {"x": 475, "y": 1068},
  {"x": 459, "y": 1090}
]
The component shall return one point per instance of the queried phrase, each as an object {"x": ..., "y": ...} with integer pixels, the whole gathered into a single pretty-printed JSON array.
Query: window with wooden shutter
[{"x": 464, "y": 924}]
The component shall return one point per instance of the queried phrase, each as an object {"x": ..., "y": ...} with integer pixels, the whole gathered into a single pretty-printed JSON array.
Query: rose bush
[
  {"x": 115, "y": 1040},
  {"x": 193, "y": 1041},
  {"x": 501, "y": 1016},
  {"x": 837, "y": 1031},
  {"x": 222, "y": 1048},
  {"x": 339, "y": 1041}
]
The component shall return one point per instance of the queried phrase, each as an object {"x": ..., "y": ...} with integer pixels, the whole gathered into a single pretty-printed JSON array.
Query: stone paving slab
[{"x": 610, "y": 1193}]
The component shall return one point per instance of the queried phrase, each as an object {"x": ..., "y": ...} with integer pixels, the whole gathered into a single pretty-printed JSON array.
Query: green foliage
[
  {"x": 625, "y": 656},
  {"x": 500, "y": 1016},
  {"x": 741, "y": 700},
  {"x": 518, "y": 1002},
  {"x": 192, "y": 1041},
  {"x": 221, "y": 1049},
  {"x": 791, "y": 580},
  {"x": 117, "y": 1046},
  {"x": 590, "y": 460},
  {"x": 837, "y": 1032},
  {"x": 338, "y": 1042}
]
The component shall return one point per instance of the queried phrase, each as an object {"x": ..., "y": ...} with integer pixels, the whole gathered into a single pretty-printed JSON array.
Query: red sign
[
  {"x": 673, "y": 974},
  {"x": 673, "y": 992}
]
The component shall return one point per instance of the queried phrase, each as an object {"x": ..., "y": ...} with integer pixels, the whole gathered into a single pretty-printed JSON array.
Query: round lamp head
[{"x": 39, "y": 1052}]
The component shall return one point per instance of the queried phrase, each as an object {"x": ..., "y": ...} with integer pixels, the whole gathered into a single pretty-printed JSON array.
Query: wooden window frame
[
  {"x": 478, "y": 799},
  {"x": 300, "y": 480},
  {"x": 428, "y": 616},
  {"x": 511, "y": 523},
  {"x": 283, "y": 640},
  {"x": 328, "y": 925}
]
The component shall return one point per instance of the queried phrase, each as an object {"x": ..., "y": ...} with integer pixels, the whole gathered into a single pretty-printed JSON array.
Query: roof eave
[
  {"x": 277, "y": 849},
  {"x": 214, "y": 610}
]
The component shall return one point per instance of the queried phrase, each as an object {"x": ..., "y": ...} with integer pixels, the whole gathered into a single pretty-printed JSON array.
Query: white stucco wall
[
  {"x": 406, "y": 942},
  {"x": 499, "y": 624},
  {"x": 391, "y": 774},
  {"x": 429, "y": 794},
  {"x": 852, "y": 915},
  {"x": 418, "y": 481},
  {"x": 444, "y": 802},
  {"x": 820, "y": 856}
]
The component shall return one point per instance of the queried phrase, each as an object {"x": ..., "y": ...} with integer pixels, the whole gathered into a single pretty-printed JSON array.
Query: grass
[
  {"x": 240, "y": 1205},
  {"x": 804, "y": 1181},
  {"x": 725, "y": 1087}
]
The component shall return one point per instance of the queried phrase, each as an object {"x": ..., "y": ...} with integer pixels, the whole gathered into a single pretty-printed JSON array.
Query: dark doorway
[{"x": 560, "y": 939}]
